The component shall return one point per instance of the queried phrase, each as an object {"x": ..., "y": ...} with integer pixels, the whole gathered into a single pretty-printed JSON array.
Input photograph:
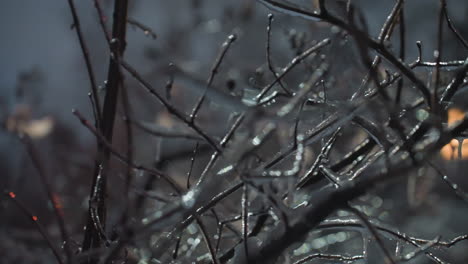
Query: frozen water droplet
[
  {"x": 422, "y": 114},
  {"x": 226, "y": 169},
  {"x": 256, "y": 141},
  {"x": 188, "y": 200},
  {"x": 232, "y": 37}
]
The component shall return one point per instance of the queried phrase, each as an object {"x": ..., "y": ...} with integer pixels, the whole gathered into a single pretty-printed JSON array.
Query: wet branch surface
[
  {"x": 294, "y": 162},
  {"x": 94, "y": 233}
]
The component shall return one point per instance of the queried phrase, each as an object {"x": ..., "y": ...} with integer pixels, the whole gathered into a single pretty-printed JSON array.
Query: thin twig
[
  {"x": 342, "y": 258},
  {"x": 192, "y": 161},
  {"x": 120, "y": 156},
  {"x": 437, "y": 57},
  {"x": 89, "y": 66},
  {"x": 456, "y": 189},
  {"x": 207, "y": 240},
  {"x": 268, "y": 55},
  {"x": 384, "y": 32},
  {"x": 160, "y": 131},
  {"x": 295, "y": 61},
  {"x": 102, "y": 21},
  {"x": 214, "y": 70},
  {"x": 38, "y": 164},
  {"x": 223, "y": 144},
  {"x": 36, "y": 222},
  {"x": 455, "y": 84},
  {"x": 452, "y": 26},
  {"x": 356, "y": 223},
  {"x": 369, "y": 41},
  {"x": 245, "y": 218},
  {"x": 310, "y": 84},
  {"x": 146, "y": 30},
  {"x": 402, "y": 52},
  {"x": 172, "y": 110},
  {"x": 324, "y": 152},
  {"x": 363, "y": 218}
]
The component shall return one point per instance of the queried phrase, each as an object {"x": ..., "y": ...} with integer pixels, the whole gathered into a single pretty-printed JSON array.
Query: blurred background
[{"x": 43, "y": 77}]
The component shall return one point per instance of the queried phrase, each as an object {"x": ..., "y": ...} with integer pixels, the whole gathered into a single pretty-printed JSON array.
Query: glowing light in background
[{"x": 451, "y": 150}]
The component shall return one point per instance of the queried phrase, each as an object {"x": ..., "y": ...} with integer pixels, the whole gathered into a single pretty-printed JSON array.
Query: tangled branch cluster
[{"x": 298, "y": 154}]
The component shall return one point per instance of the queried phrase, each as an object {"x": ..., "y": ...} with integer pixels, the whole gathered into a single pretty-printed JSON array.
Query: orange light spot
[
  {"x": 12, "y": 194},
  {"x": 454, "y": 143},
  {"x": 56, "y": 201},
  {"x": 454, "y": 115},
  {"x": 34, "y": 218},
  {"x": 450, "y": 151},
  {"x": 446, "y": 152}
]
